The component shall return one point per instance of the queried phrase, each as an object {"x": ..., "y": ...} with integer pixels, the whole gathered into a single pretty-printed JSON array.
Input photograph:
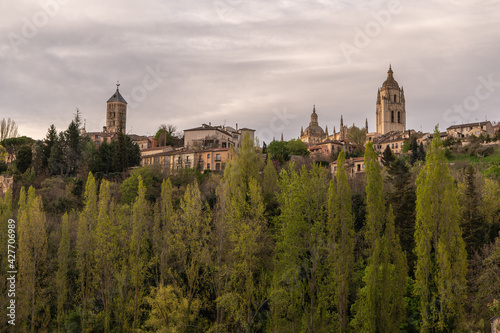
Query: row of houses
[
  {"x": 395, "y": 141},
  {"x": 214, "y": 159},
  {"x": 206, "y": 147}
]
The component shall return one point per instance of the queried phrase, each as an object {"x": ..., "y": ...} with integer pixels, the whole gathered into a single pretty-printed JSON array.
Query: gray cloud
[{"x": 239, "y": 61}]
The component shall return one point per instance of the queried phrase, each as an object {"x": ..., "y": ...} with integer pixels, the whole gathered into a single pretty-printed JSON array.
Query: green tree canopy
[
  {"x": 357, "y": 135},
  {"x": 279, "y": 151},
  {"x": 297, "y": 147},
  {"x": 441, "y": 257}
]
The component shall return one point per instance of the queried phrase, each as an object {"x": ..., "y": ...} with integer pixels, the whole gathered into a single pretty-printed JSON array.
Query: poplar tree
[
  {"x": 380, "y": 305},
  {"x": 162, "y": 231},
  {"x": 106, "y": 251},
  {"x": 300, "y": 252},
  {"x": 220, "y": 255},
  {"x": 62, "y": 271},
  {"x": 84, "y": 245},
  {"x": 375, "y": 207},
  {"x": 32, "y": 254},
  {"x": 5, "y": 215},
  {"x": 270, "y": 188},
  {"x": 341, "y": 239},
  {"x": 138, "y": 259},
  {"x": 270, "y": 181},
  {"x": 191, "y": 234},
  {"x": 248, "y": 273},
  {"x": 441, "y": 257},
  {"x": 245, "y": 267}
]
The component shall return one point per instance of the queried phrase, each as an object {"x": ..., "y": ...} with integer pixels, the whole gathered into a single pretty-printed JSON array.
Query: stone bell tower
[
  {"x": 116, "y": 113},
  {"x": 391, "y": 111}
]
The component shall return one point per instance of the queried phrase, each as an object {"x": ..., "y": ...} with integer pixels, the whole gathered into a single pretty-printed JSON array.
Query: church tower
[
  {"x": 116, "y": 113},
  {"x": 391, "y": 111}
]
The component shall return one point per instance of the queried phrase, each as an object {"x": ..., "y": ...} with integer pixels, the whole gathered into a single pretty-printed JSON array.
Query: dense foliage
[{"x": 413, "y": 248}]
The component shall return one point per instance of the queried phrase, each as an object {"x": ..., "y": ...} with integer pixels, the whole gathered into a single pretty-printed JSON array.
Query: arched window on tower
[
  {"x": 394, "y": 98},
  {"x": 392, "y": 116},
  {"x": 399, "y": 117}
]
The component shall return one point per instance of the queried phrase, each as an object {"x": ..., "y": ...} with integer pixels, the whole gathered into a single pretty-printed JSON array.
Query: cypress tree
[
  {"x": 474, "y": 230},
  {"x": 441, "y": 257},
  {"x": 402, "y": 197},
  {"x": 388, "y": 156}
]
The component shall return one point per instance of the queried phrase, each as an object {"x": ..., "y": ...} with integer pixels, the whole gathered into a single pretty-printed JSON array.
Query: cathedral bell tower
[
  {"x": 116, "y": 113},
  {"x": 391, "y": 111}
]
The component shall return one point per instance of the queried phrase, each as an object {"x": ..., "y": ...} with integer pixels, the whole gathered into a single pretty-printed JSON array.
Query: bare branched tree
[{"x": 8, "y": 129}]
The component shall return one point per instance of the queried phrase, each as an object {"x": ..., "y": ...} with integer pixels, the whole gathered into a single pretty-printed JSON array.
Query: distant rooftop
[{"x": 469, "y": 125}]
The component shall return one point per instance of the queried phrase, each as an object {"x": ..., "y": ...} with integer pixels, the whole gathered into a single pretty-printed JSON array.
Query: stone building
[
  {"x": 313, "y": 133},
  {"x": 208, "y": 137},
  {"x": 169, "y": 160},
  {"x": 391, "y": 111},
  {"x": 354, "y": 166},
  {"x": 465, "y": 130}
]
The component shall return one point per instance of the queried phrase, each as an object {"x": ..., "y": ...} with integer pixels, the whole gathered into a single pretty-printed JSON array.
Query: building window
[
  {"x": 224, "y": 144},
  {"x": 396, "y": 145},
  {"x": 394, "y": 98},
  {"x": 217, "y": 157},
  {"x": 208, "y": 155},
  {"x": 399, "y": 117},
  {"x": 359, "y": 167},
  {"x": 392, "y": 116},
  {"x": 217, "y": 166},
  {"x": 208, "y": 166}
]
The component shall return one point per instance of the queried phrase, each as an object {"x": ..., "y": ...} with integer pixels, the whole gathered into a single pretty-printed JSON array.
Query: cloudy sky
[{"x": 261, "y": 64}]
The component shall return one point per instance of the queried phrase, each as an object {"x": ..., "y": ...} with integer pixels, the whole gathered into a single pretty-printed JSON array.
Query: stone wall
[{"x": 5, "y": 183}]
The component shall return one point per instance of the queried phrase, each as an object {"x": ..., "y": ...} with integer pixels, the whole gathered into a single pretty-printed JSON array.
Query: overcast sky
[{"x": 261, "y": 64}]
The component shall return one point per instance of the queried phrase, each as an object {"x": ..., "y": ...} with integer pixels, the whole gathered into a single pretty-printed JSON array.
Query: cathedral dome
[
  {"x": 314, "y": 129},
  {"x": 390, "y": 82}
]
